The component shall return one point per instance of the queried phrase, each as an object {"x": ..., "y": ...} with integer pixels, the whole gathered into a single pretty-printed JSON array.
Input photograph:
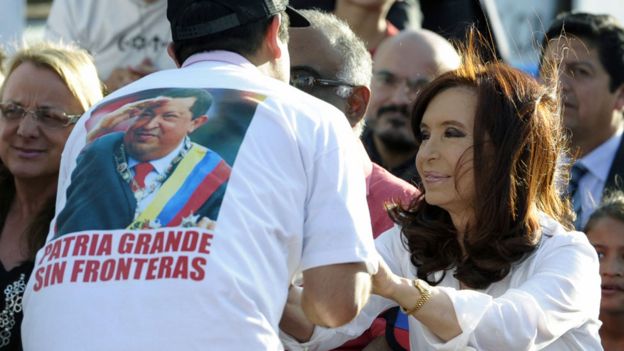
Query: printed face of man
[{"x": 159, "y": 129}]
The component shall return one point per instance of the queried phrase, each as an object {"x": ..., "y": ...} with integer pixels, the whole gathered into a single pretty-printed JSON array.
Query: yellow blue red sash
[{"x": 191, "y": 184}]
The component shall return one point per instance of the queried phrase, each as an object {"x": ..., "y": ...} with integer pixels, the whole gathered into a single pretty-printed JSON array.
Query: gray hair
[{"x": 357, "y": 63}]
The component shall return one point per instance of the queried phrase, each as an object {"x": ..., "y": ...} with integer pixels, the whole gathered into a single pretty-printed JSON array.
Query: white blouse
[{"x": 549, "y": 301}]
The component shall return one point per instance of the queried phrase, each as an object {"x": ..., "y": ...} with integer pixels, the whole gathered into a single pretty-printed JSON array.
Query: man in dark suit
[
  {"x": 136, "y": 178},
  {"x": 591, "y": 75}
]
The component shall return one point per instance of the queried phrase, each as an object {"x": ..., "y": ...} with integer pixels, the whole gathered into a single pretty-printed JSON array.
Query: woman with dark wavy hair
[{"x": 486, "y": 258}]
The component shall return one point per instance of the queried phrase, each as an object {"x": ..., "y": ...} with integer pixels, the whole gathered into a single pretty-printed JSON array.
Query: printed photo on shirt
[{"x": 157, "y": 158}]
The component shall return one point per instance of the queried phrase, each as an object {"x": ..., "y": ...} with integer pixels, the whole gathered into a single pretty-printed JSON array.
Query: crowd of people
[{"x": 244, "y": 175}]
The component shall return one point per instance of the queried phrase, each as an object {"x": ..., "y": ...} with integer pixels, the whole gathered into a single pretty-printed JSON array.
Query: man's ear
[
  {"x": 619, "y": 101},
  {"x": 357, "y": 103},
  {"x": 198, "y": 122},
  {"x": 171, "y": 52},
  {"x": 272, "y": 40}
]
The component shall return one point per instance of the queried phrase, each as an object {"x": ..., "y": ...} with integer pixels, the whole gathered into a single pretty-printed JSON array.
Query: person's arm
[
  {"x": 555, "y": 291},
  {"x": 338, "y": 253},
  {"x": 294, "y": 321},
  {"x": 297, "y": 331},
  {"x": 338, "y": 250},
  {"x": 109, "y": 122},
  {"x": 436, "y": 312},
  {"x": 333, "y": 295}
]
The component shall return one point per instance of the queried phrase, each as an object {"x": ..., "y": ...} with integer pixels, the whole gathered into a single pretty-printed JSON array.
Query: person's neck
[
  {"x": 272, "y": 70},
  {"x": 360, "y": 19},
  {"x": 461, "y": 221},
  {"x": 392, "y": 158},
  {"x": 611, "y": 331},
  {"x": 32, "y": 194},
  {"x": 267, "y": 64},
  {"x": 590, "y": 141}
]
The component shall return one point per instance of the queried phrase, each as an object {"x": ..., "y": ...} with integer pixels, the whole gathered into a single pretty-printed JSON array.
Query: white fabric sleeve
[
  {"x": 389, "y": 246},
  {"x": 75, "y": 143},
  {"x": 554, "y": 299},
  {"x": 327, "y": 339},
  {"x": 337, "y": 222}
]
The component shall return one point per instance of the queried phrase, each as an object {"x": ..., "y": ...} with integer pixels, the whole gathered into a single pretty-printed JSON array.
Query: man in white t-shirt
[
  {"x": 295, "y": 202},
  {"x": 127, "y": 38}
]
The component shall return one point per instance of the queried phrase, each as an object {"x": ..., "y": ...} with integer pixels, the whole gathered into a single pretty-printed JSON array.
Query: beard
[
  {"x": 395, "y": 133},
  {"x": 397, "y": 142}
]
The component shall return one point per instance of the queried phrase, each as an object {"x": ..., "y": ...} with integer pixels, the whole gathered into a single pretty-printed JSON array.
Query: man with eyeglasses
[
  {"x": 402, "y": 65},
  {"x": 331, "y": 63}
]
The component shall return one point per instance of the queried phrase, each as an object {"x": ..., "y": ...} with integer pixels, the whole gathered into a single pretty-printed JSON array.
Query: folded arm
[{"x": 333, "y": 295}]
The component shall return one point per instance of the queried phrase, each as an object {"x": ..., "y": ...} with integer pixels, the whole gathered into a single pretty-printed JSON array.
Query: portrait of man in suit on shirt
[{"x": 150, "y": 175}]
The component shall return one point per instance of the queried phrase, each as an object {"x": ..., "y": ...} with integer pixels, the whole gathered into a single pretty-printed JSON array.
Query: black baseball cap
[{"x": 191, "y": 19}]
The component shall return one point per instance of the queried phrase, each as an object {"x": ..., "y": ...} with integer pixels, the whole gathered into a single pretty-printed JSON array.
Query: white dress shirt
[
  {"x": 152, "y": 181},
  {"x": 598, "y": 163},
  {"x": 549, "y": 301}
]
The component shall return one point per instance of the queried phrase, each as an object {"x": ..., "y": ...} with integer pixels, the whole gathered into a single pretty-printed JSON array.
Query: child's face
[{"x": 607, "y": 236}]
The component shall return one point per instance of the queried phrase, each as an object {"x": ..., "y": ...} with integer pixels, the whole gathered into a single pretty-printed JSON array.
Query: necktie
[
  {"x": 576, "y": 173},
  {"x": 141, "y": 171}
]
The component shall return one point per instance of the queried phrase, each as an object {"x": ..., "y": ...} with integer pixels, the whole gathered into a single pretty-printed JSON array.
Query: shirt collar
[
  {"x": 599, "y": 160},
  {"x": 160, "y": 165},
  {"x": 219, "y": 55}
]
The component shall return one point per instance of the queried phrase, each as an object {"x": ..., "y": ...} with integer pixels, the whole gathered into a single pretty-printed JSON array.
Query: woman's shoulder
[
  {"x": 391, "y": 238},
  {"x": 393, "y": 250},
  {"x": 560, "y": 252},
  {"x": 554, "y": 234}
]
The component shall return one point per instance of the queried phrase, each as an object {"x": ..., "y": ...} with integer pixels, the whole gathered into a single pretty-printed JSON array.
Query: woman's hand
[{"x": 385, "y": 282}]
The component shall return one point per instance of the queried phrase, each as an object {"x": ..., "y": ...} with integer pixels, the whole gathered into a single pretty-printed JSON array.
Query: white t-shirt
[
  {"x": 549, "y": 301},
  {"x": 117, "y": 33},
  {"x": 295, "y": 200}
]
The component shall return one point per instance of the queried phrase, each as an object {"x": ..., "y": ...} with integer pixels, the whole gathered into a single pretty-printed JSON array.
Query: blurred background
[{"x": 517, "y": 25}]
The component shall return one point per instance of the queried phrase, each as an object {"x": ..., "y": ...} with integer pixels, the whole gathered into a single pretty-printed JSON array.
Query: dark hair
[
  {"x": 517, "y": 142},
  {"x": 36, "y": 232},
  {"x": 202, "y": 103},
  {"x": 603, "y": 32},
  {"x": 244, "y": 40},
  {"x": 611, "y": 206}
]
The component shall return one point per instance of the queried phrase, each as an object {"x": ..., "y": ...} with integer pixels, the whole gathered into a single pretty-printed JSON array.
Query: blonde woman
[{"x": 46, "y": 89}]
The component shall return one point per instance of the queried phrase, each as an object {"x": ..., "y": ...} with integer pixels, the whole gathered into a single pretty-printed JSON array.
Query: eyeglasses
[
  {"x": 49, "y": 117},
  {"x": 306, "y": 81},
  {"x": 393, "y": 81}
]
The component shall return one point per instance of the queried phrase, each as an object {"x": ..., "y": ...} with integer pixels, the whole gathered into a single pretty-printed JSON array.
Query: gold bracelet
[{"x": 425, "y": 294}]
